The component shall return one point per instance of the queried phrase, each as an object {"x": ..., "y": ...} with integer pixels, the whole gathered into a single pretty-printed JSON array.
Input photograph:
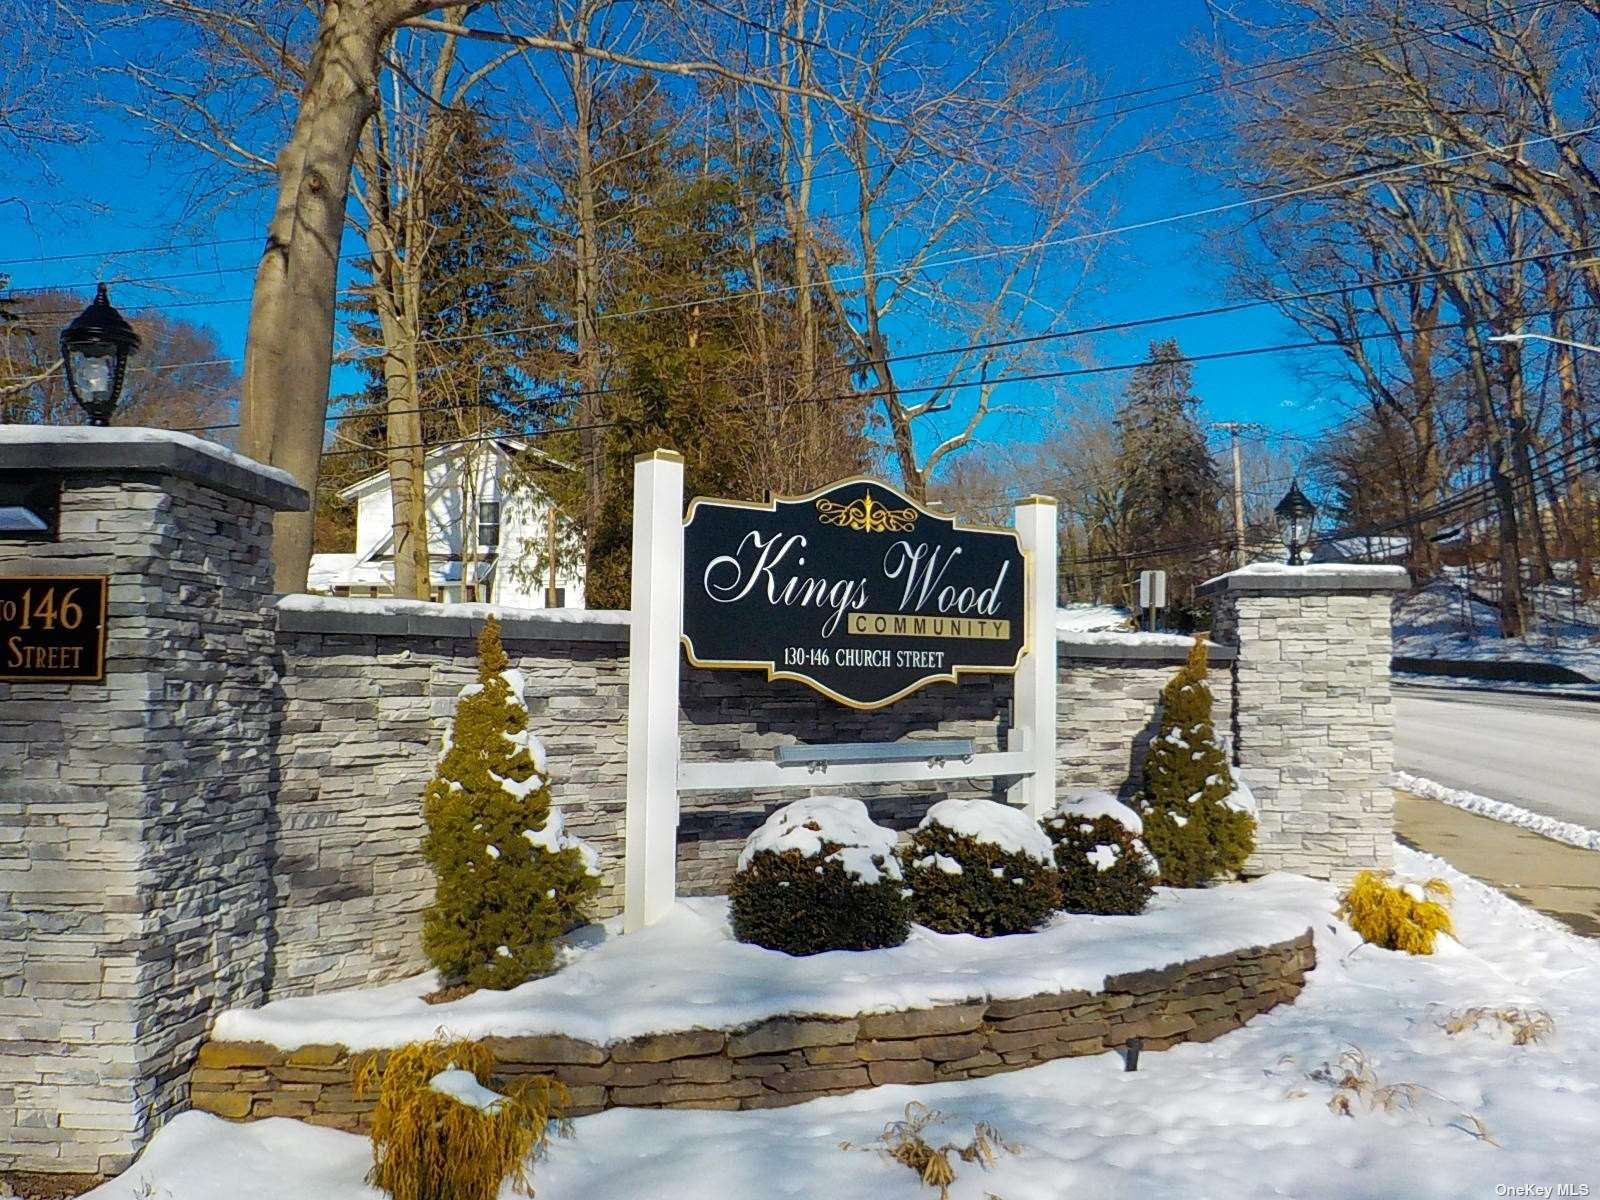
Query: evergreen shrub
[
  {"x": 1105, "y": 867},
  {"x": 440, "y": 1133},
  {"x": 980, "y": 867},
  {"x": 509, "y": 879},
  {"x": 1397, "y": 916},
  {"x": 819, "y": 875},
  {"x": 1193, "y": 830}
]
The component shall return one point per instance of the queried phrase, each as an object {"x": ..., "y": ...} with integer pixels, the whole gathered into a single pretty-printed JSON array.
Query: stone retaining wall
[{"x": 791, "y": 1059}]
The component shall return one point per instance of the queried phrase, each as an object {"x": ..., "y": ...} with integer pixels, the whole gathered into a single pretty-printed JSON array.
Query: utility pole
[{"x": 1234, "y": 428}]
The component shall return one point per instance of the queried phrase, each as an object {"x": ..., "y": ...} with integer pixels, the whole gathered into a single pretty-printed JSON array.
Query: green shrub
[
  {"x": 1104, "y": 865},
  {"x": 819, "y": 875},
  {"x": 980, "y": 867},
  {"x": 1189, "y": 825},
  {"x": 509, "y": 879},
  {"x": 440, "y": 1133}
]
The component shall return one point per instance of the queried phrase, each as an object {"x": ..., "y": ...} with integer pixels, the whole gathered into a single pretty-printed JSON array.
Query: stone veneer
[
  {"x": 1313, "y": 715},
  {"x": 368, "y": 690},
  {"x": 136, "y": 814},
  {"x": 792, "y": 1059}
]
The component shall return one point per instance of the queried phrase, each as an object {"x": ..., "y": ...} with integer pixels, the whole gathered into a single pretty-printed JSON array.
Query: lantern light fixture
[
  {"x": 1296, "y": 515},
  {"x": 95, "y": 350}
]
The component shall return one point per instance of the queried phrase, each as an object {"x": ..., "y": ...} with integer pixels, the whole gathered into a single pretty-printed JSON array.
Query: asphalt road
[{"x": 1542, "y": 753}]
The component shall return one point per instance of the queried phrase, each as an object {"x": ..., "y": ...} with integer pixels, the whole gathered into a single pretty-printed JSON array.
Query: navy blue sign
[{"x": 855, "y": 590}]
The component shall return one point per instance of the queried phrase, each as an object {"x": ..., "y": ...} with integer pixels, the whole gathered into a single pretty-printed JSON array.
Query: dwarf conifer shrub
[
  {"x": 819, "y": 875},
  {"x": 980, "y": 867},
  {"x": 1190, "y": 827},
  {"x": 1104, "y": 866},
  {"x": 510, "y": 880},
  {"x": 440, "y": 1133},
  {"x": 1397, "y": 916}
]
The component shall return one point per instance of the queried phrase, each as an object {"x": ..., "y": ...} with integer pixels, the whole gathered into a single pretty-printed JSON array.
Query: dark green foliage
[
  {"x": 805, "y": 904},
  {"x": 1123, "y": 888},
  {"x": 996, "y": 891},
  {"x": 1170, "y": 492},
  {"x": 1193, "y": 833},
  {"x": 502, "y": 898}
]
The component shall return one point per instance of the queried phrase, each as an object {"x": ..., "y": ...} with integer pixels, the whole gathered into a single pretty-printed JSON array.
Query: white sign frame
[{"x": 656, "y": 772}]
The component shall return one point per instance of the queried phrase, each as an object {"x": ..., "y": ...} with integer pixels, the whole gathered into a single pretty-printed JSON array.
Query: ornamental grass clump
[
  {"x": 440, "y": 1133},
  {"x": 980, "y": 867},
  {"x": 509, "y": 879},
  {"x": 1191, "y": 827},
  {"x": 1103, "y": 864},
  {"x": 1397, "y": 916},
  {"x": 819, "y": 875}
]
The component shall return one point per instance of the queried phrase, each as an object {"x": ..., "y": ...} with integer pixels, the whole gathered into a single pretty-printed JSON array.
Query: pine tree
[
  {"x": 1188, "y": 825},
  {"x": 1171, "y": 494},
  {"x": 510, "y": 880}
]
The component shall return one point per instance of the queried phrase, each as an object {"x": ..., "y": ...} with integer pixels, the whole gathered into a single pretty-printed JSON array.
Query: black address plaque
[
  {"x": 854, "y": 590},
  {"x": 53, "y": 628}
]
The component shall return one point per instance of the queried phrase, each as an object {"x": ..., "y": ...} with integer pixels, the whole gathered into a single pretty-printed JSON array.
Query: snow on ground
[
  {"x": 1443, "y": 621},
  {"x": 1235, "y": 1119},
  {"x": 427, "y": 608},
  {"x": 1092, "y": 618},
  {"x": 687, "y": 972},
  {"x": 1562, "y": 831}
]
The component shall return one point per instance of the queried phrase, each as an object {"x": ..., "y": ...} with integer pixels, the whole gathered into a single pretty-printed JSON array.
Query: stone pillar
[
  {"x": 1313, "y": 718},
  {"x": 135, "y": 812}
]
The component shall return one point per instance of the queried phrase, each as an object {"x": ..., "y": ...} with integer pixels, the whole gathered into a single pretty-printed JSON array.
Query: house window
[{"x": 489, "y": 523}]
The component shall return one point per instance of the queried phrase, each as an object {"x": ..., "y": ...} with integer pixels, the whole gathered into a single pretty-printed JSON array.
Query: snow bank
[
  {"x": 1128, "y": 638},
  {"x": 1092, "y": 618},
  {"x": 1237, "y": 1118},
  {"x": 474, "y": 612},
  {"x": 1090, "y": 805},
  {"x": 990, "y": 821},
  {"x": 1443, "y": 620},
  {"x": 1560, "y": 831},
  {"x": 866, "y": 851},
  {"x": 688, "y": 972}
]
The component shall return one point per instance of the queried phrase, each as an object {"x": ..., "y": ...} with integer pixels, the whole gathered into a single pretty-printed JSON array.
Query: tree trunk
[
  {"x": 591, "y": 406},
  {"x": 289, "y": 351}
]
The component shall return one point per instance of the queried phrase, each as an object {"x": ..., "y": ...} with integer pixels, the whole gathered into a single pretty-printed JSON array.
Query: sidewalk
[{"x": 1560, "y": 881}]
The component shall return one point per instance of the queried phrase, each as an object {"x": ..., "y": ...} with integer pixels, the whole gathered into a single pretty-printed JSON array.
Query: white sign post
[
  {"x": 1033, "y": 730},
  {"x": 656, "y": 626},
  {"x": 1152, "y": 593}
]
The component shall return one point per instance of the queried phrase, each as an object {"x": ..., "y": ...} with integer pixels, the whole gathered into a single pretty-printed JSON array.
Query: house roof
[{"x": 507, "y": 446}]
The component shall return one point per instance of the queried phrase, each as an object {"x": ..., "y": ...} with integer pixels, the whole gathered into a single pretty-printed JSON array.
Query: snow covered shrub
[
  {"x": 1397, "y": 916},
  {"x": 1194, "y": 827},
  {"x": 510, "y": 879},
  {"x": 979, "y": 866},
  {"x": 440, "y": 1133},
  {"x": 819, "y": 875},
  {"x": 1104, "y": 865}
]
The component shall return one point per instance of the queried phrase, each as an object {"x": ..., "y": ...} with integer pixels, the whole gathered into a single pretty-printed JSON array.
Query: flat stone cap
[
  {"x": 128, "y": 450},
  {"x": 1280, "y": 579},
  {"x": 421, "y": 618},
  {"x": 1134, "y": 646}
]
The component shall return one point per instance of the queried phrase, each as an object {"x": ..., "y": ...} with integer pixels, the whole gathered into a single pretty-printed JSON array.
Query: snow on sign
[
  {"x": 855, "y": 590},
  {"x": 53, "y": 628}
]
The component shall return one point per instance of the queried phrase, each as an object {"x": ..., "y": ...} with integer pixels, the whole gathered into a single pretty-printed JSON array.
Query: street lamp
[
  {"x": 1543, "y": 337},
  {"x": 95, "y": 350},
  {"x": 1295, "y": 514}
]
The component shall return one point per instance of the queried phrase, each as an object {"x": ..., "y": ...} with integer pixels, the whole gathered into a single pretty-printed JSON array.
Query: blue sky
[{"x": 108, "y": 217}]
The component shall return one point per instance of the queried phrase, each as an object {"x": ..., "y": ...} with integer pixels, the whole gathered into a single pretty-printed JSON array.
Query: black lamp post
[
  {"x": 95, "y": 350},
  {"x": 1295, "y": 514}
]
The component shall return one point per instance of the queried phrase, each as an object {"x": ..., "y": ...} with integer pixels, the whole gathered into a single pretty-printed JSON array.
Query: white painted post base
[
  {"x": 653, "y": 665},
  {"x": 1033, "y": 729}
]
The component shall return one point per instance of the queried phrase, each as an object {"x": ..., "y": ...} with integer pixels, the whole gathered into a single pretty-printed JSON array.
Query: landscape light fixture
[
  {"x": 1295, "y": 514},
  {"x": 95, "y": 350}
]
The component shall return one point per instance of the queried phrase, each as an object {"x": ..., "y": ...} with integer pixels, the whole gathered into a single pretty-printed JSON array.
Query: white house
[{"x": 487, "y": 540}]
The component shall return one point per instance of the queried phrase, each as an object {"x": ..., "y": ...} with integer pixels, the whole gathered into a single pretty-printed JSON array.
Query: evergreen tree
[
  {"x": 1171, "y": 494},
  {"x": 1193, "y": 832},
  {"x": 510, "y": 880}
]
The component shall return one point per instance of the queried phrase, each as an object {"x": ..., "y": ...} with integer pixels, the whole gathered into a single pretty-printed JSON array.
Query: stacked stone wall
[
  {"x": 791, "y": 1059},
  {"x": 135, "y": 821}
]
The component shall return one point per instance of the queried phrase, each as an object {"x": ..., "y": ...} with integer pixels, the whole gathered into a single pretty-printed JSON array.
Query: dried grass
[
  {"x": 429, "y": 1146},
  {"x": 1357, "y": 1088},
  {"x": 1527, "y": 1026},
  {"x": 1388, "y": 914},
  {"x": 903, "y": 1141}
]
